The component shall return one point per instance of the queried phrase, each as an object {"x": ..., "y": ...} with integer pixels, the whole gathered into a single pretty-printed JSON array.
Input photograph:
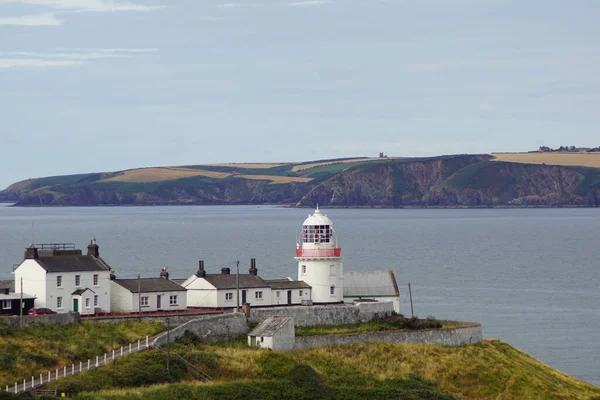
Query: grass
[
  {"x": 30, "y": 351},
  {"x": 303, "y": 167},
  {"x": 162, "y": 174},
  {"x": 249, "y": 165},
  {"x": 392, "y": 323},
  {"x": 375, "y": 370},
  {"x": 565, "y": 159},
  {"x": 275, "y": 179}
]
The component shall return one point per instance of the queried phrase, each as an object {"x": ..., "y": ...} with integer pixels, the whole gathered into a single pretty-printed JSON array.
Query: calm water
[{"x": 531, "y": 276}]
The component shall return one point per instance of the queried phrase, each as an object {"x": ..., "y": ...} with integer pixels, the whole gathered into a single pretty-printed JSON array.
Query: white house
[
  {"x": 289, "y": 292},
  {"x": 275, "y": 333},
  {"x": 147, "y": 294},
  {"x": 371, "y": 286},
  {"x": 319, "y": 259},
  {"x": 219, "y": 290},
  {"x": 64, "y": 280}
]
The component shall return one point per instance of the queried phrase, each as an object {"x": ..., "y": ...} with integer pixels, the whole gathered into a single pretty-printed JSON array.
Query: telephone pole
[
  {"x": 237, "y": 286},
  {"x": 21, "y": 306},
  {"x": 412, "y": 312},
  {"x": 139, "y": 296}
]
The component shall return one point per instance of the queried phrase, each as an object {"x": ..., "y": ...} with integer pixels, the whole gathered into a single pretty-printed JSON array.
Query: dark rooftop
[
  {"x": 79, "y": 292},
  {"x": 148, "y": 285},
  {"x": 7, "y": 285},
  {"x": 287, "y": 284},
  {"x": 228, "y": 281},
  {"x": 72, "y": 263}
]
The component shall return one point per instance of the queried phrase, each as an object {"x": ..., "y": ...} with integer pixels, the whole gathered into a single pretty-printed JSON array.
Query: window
[
  {"x": 87, "y": 303},
  {"x": 144, "y": 301},
  {"x": 59, "y": 302},
  {"x": 6, "y": 304},
  {"x": 278, "y": 294},
  {"x": 95, "y": 300},
  {"x": 332, "y": 270},
  {"x": 77, "y": 280},
  {"x": 95, "y": 279},
  {"x": 173, "y": 300},
  {"x": 301, "y": 293},
  {"x": 258, "y": 295},
  {"x": 332, "y": 290},
  {"x": 228, "y": 296},
  {"x": 59, "y": 281},
  {"x": 304, "y": 270}
]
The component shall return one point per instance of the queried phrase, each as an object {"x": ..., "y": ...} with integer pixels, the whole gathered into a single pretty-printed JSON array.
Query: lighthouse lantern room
[{"x": 319, "y": 259}]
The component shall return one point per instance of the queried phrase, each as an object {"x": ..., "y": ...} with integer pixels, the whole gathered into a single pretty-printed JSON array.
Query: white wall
[
  {"x": 394, "y": 300},
  {"x": 120, "y": 298},
  {"x": 296, "y": 298},
  {"x": 34, "y": 281},
  {"x": 124, "y": 300},
  {"x": 200, "y": 293},
  {"x": 318, "y": 275}
]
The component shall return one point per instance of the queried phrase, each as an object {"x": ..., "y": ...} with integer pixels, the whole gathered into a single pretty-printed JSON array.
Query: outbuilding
[
  {"x": 275, "y": 333},
  {"x": 372, "y": 286}
]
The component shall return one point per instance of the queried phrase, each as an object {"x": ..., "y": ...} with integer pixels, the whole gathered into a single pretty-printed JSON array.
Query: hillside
[{"x": 445, "y": 181}]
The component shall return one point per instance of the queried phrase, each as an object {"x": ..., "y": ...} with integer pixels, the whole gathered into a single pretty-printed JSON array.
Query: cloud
[
  {"x": 63, "y": 57},
  {"x": 46, "y": 19},
  {"x": 21, "y": 63},
  {"x": 86, "y": 5},
  {"x": 306, "y": 3},
  {"x": 239, "y": 5}
]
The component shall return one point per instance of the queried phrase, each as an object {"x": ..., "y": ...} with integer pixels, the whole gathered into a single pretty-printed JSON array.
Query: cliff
[{"x": 447, "y": 181}]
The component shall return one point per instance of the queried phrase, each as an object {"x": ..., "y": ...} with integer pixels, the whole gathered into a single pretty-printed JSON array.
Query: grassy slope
[
  {"x": 490, "y": 370},
  {"x": 38, "y": 349}
]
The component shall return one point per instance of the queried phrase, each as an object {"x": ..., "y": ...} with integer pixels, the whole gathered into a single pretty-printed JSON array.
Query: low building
[
  {"x": 275, "y": 333},
  {"x": 63, "y": 279},
  {"x": 147, "y": 294},
  {"x": 371, "y": 286},
  {"x": 219, "y": 290},
  {"x": 289, "y": 292}
]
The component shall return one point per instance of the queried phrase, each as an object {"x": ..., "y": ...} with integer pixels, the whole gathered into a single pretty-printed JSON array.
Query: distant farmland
[
  {"x": 162, "y": 174},
  {"x": 566, "y": 159}
]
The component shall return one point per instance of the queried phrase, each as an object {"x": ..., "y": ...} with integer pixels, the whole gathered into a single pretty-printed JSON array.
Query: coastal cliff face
[{"x": 449, "y": 181}]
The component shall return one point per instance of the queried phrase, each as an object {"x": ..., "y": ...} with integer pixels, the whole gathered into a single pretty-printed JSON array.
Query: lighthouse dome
[{"x": 318, "y": 218}]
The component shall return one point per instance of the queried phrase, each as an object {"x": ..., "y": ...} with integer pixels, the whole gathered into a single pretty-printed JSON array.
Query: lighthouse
[{"x": 319, "y": 259}]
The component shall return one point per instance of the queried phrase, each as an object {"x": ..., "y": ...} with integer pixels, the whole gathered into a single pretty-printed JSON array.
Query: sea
[{"x": 531, "y": 277}]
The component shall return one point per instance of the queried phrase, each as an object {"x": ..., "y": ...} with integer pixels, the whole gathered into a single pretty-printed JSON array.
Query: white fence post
[
  {"x": 32, "y": 382},
  {"x": 80, "y": 366},
  {"x": 72, "y": 369},
  {"x": 96, "y": 361},
  {"x": 7, "y": 388},
  {"x": 129, "y": 348},
  {"x": 146, "y": 341},
  {"x": 88, "y": 365},
  {"x": 56, "y": 377},
  {"x": 121, "y": 351},
  {"x": 138, "y": 345},
  {"x": 104, "y": 358},
  {"x": 24, "y": 385},
  {"x": 65, "y": 372},
  {"x": 16, "y": 388},
  {"x": 113, "y": 357},
  {"x": 41, "y": 380}
]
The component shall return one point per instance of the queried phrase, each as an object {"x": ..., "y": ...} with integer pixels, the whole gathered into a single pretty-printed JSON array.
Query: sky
[{"x": 104, "y": 85}]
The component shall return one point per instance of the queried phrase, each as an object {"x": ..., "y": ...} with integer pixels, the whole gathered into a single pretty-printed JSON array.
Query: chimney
[
  {"x": 93, "y": 249},
  {"x": 201, "y": 272},
  {"x": 164, "y": 274},
  {"x": 253, "y": 270},
  {"x": 225, "y": 271},
  {"x": 31, "y": 253},
  {"x": 112, "y": 275}
]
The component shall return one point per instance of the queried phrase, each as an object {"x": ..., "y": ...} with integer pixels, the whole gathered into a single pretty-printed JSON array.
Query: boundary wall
[
  {"x": 446, "y": 337},
  {"x": 50, "y": 319}
]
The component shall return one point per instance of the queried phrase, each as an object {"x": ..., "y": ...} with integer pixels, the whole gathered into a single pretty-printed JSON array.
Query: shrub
[{"x": 274, "y": 365}]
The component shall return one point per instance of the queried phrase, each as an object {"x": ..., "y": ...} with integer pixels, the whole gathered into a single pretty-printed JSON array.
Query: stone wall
[
  {"x": 447, "y": 337},
  {"x": 325, "y": 315},
  {"x": 213, "y": 328},
  {"x": 52, "y": 319}
]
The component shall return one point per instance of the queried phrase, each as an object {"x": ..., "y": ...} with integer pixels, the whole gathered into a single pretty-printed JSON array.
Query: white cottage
[
  {"x": 372, "y": 286},
  {"x": 275, "y": 333},
  {"x": 64, "y": 280},
  {"x": 219, "y": 290},
  {"x": 289, "y": 292},
  {"x": 147, "y": 294}
]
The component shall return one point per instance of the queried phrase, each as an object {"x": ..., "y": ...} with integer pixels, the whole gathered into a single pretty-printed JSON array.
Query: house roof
[
  {"x": 287, "y": 284},
  {"x": 72, "y": 263},
  {"x": 148, "y": 285},
  {"x": 10, "y": 285},
  {"x": 228, "y": 281},
  {"x": 178, "y": 281},
  {"x": 79, "y": 292},
  {"x": 370, "y": 284},
  {"x": 15, "y": 296},
  {"x": 270, "y": 326}
]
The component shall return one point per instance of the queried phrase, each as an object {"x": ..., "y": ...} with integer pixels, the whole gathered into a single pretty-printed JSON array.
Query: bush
[{"x": 274, "y": 365}]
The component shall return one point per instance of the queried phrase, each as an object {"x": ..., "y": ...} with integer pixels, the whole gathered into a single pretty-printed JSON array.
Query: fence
[{"x": 75, "y": 369}]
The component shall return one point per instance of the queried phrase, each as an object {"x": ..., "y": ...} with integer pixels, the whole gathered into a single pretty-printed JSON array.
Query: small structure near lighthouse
[{"x": 320, "y": 264}]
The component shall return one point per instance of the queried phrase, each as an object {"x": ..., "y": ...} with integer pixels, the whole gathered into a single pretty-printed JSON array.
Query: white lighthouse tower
[{"x": 319, "y": 259}]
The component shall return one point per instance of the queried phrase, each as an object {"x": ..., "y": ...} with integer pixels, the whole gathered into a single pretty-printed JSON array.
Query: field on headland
[{"x": 551, "y": 158}]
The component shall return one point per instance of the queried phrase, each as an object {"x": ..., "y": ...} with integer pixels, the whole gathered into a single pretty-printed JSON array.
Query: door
[
  {"x": 158, "y": 302},
  {"x": 243, "y": 297},
  {"x": 252, "y": 341},
  {"x": 289, "y": 297},
  {"x": 75, "y": 305}
]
